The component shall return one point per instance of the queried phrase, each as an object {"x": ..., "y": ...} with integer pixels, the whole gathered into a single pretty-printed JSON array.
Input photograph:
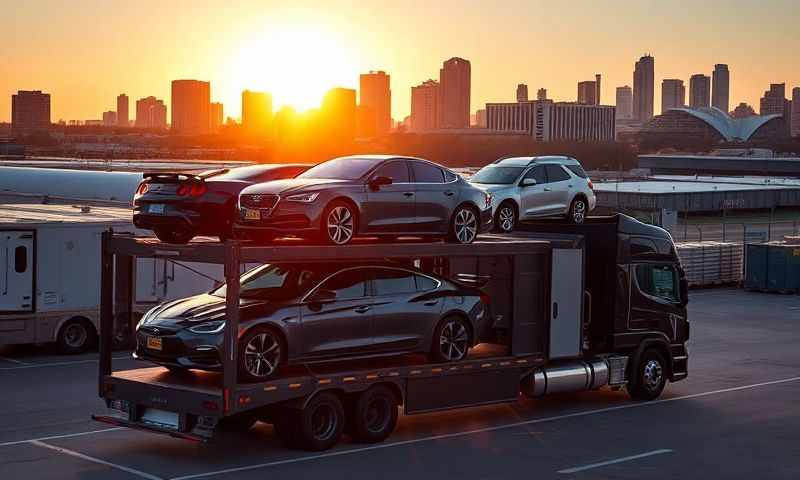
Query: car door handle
[
  {"x": 547, "y": 189},
  {"x": 449, "y": 193},
  {"x": 362, "y": 309},
  {"x": 409, "y": 194}
]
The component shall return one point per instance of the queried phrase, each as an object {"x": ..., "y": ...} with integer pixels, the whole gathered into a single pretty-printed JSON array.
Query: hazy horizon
[{"x": 85, "y": 54}]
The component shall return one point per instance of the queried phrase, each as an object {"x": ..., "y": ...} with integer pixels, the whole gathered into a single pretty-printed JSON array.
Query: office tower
[
  {"x": 480, "y": 118},
  {"x": 217, "y": 116},
  {"x": 376, "y": 97},
  {"x": 30, "y": 111},
  {"x": 644, "y": 88},
  {"x": 151, "y": 113},
  {"x": 673, "y": 94},
  {"x": 191, "y": 106},
  {"x": 720, "y": 87},
  {"x": 795, "y": 128},
  {"x": 109, "y": 118},
  {"x": 587, "y": 93},
  {"x": 743, "y": 110},
  {"x": 522, "y": 92},
  {"x": 122, "y": 110},
  {"x": 339, "y": 114},
  {"x": 700, "y": 91},
  {"x": 541, "y": 94},
  {"x": 425, "y": 106},
  {"x": 774, "y": 102},
  {"x": 624, "y": 103},
  {"x": 454, "y": 94},
  {"x": 257, "y": 112},
  {"x": 548, "y": 121}
]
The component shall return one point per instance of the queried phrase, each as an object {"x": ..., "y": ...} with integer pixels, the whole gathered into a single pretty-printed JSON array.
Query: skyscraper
[
  {"x": 454, "y": 95},
  {"x": 191, "y": 107},
  {"x": 30, "y": 111},
  {"x": 256, "y": 112},
  {"x": 743, "y": 110},
  {"x": 587, "y": 92},
  {"x": 122, "y": 110},
  {"x": 151, "y": 113},
  {"x": 541, "y": 94},
  {"x": 109, "y": 118},
  {"x": 720, "y": 87},
  {"x": 673, "y": 94},
  {"x": 522, "y": 92},
  {"x": 597, "y": 88},
  {"x": 624, "y": 103},
  {"x": 425, "y": 106},
  {"x": 217, "y": 115},
  {"x": 774, "y": 102},
  {"x": 700, "y": 91},
  {"x": 644, "y": 88},
  {"x": 376, "y": 98},
  {"x": 795, "y": 112},
  {"x": 339, "y": 114}
]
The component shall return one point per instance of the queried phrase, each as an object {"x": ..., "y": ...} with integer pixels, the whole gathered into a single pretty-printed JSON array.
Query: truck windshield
[
  {"x": 497, "y": 175},
  {"x": 273, "y": 282},
  {"x": 345, "y": 168}
]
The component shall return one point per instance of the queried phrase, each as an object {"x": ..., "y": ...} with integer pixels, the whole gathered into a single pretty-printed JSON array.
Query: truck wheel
[
  {"x": 241, "y": 422},
  {"x": 76, "y": 336},
  {"x": 451, "y": 340},
  {"x": 320, "y": 423},
  {"x": 650, "y": 377},
  {"x": 374, "y": 415}
]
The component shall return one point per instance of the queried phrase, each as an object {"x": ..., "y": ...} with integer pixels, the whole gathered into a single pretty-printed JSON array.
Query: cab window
[{"x": 659, "y": 281}]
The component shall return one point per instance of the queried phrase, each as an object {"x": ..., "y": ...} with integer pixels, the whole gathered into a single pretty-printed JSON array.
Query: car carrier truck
[{"x": 575, "y": 307}]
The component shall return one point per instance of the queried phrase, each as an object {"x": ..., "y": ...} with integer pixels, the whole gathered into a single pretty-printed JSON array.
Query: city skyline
[{"x": 84, "y": 79}]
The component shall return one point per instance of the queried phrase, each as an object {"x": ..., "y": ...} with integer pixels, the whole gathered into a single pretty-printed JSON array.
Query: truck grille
[{"x": 259, "y": 201}]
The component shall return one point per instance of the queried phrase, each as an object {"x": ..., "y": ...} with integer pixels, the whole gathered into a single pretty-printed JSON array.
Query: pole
[
  {"x": 106, "y": 307},
  {"x": 231, "y": 337}
]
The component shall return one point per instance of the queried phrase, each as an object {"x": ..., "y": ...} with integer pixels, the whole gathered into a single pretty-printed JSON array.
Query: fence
[{"x": 735, "y": 232}]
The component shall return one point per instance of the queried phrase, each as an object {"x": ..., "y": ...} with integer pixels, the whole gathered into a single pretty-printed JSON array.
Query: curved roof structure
[{"x": 732, "y": 129}]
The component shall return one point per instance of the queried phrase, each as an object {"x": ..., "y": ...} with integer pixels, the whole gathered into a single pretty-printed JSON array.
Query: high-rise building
[
  {"x": 425, "y": 106},
  {"x": 122, "y": 110},
  {"x": 795, "y": 130},
  {"x": 541, "y": 94},
  {"x": 644, "y": 88},
  {"x": 30, "y": 111},
  {"x": 587, "y": 93},
  {"x": 454, "y": 94},
  {"x": 548, "y": 121},
  {"x": 109, "y": 118},
  {"x": 191, "y": 107},
  {"x": 774, "y": 102},
  {"x": 257, "y": 112},
  {"x": 151, "y": 113},
  {"x": 720, "y": 87},
  {"x": 700, "y": 91},
  {"x": 376, "y": 96},
  {"x": 673, "y": 94},
  {"x": 217, "y": 116},
  {"x": 339, "y": 114},
  {"x": 480, "y": 118},
  {"x": 743, "y": 110},
  {"x": 597, "y": 88},
  {"x": 522, "y": 92},
  {"x": 624, "y": 103}
]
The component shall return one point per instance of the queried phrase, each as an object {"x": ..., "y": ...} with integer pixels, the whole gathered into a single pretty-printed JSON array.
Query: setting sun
[{"x": 297, "y": 64}]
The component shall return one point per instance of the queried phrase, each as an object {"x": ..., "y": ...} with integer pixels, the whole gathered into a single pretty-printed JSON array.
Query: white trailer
[{"x": 50, "y": 275}]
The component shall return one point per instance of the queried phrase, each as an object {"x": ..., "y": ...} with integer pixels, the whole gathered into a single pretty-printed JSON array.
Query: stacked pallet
[{"x": 711, "y": 263}]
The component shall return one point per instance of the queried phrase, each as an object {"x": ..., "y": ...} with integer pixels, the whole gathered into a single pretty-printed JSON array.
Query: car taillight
[
  {"x": 591, "y": 185},
  {"x": 485, "y": 298},
  {"x": 198, "y": 189},
  {"x": 143, "y": 187},
  {"x": 182, "y": 190}
]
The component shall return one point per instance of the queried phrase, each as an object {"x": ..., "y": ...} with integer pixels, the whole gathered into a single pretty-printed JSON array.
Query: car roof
[
  {"x": 396, "y": 157},
  {"x": 526, "y": 161}
]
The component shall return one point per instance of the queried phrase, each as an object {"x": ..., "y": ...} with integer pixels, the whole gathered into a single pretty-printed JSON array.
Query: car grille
[{"x": 259, "y": 201}]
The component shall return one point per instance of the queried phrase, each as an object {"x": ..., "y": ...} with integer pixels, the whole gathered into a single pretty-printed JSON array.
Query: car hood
[
  {"x": 199, "y": 308},
  {"x": 290, "y": 185},
  {"x": 492, "y": 187}
]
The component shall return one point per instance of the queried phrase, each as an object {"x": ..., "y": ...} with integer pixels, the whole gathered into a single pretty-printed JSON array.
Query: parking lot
[{"x": 736, "y": 416}]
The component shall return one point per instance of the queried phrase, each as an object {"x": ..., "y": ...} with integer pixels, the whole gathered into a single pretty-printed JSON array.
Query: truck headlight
[
  {"x": 303, "y": 197},
  {"x": 208, "y": 327}
]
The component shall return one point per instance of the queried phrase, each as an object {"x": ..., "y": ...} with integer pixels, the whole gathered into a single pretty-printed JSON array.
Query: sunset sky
[{"x": 85, "y": 53}]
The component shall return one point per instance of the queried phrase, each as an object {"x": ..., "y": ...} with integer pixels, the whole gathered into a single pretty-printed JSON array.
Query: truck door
[
  {"x": 566, "y": 303},
  {"x": 16, "y": 276}
]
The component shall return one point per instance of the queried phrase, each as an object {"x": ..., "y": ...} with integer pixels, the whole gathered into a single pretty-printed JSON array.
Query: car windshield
[
  {"x": 497, "y": 175},
  {"x": 345, "y": 168},
  {"x": 274, "y": 282}
]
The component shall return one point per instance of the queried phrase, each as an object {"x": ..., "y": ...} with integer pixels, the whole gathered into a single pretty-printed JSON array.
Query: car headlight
[
  {"x": 146, "y": 317},
  {"x": 208, "y": 327},
  {"x": 303, "y": 197}
]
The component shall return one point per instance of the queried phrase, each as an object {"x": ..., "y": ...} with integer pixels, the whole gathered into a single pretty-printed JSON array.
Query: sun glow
[{"x": 297, "y": 64}]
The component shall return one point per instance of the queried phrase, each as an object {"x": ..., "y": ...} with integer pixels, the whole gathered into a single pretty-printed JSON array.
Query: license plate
[
  {"x": 252, "y": 214},
  {"x": 154, "y": 343},
  {"x": 156, "y": 208}
]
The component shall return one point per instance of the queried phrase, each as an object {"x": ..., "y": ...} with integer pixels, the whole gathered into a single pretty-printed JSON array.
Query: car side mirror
[
  {"x": 323, "y": 295},
  {"x": 528, "y": 182},
  {"x": 377, "y": 182}
]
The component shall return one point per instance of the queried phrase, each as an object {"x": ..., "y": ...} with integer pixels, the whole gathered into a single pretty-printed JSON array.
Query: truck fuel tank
[{"x": 572, "y": 376}]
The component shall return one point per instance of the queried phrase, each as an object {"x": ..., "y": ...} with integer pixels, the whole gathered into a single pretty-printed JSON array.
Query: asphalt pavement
[{"x": 736, "y": 416}]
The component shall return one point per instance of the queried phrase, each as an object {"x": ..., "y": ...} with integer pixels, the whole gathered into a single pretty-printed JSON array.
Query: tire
[
  {"x": 238, "y": 423},
  {"x": 320, "y": 423},
  {"x": 464, "y": 225},
  {"x": 578, "y": 210},
  {"x": 451, "y": 340},
  {"x": 650, "y": 377},
  {"x": 174, "y": 235},
  {"x": 76, "y": 335},
  {"x": 374, "y": 415},
  {"x": 505, "y": 220},
  {"x": 261, "y": 352},
  {"x": 339, "y": 223}
]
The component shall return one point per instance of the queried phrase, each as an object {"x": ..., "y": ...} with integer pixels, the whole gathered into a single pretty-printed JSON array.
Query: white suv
[{"x": 530, "y": 187}]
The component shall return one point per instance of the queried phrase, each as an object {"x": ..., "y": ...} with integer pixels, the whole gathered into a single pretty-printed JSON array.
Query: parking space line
[
  {"x": 72, "y": 453},
  {"x": 59, "y": 364},
  {"x": 56, "y": 437},
  {"x": 11, "y": 360},
  {"x": 615, "y": 461}
]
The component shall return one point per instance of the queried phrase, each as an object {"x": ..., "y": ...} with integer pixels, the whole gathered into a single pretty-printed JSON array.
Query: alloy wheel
[
  {"x": 506, "y": 218},
  {"x": 453, "y": 341},
  {"x": 262, "y": 355},
  {"x": 579, "y": 211},
  {"x": 75, "y": 335},
  {"x": 340, "y": 225},
  {"x": 466, "y": 225},
  {"x": 652, "y": 374}
]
